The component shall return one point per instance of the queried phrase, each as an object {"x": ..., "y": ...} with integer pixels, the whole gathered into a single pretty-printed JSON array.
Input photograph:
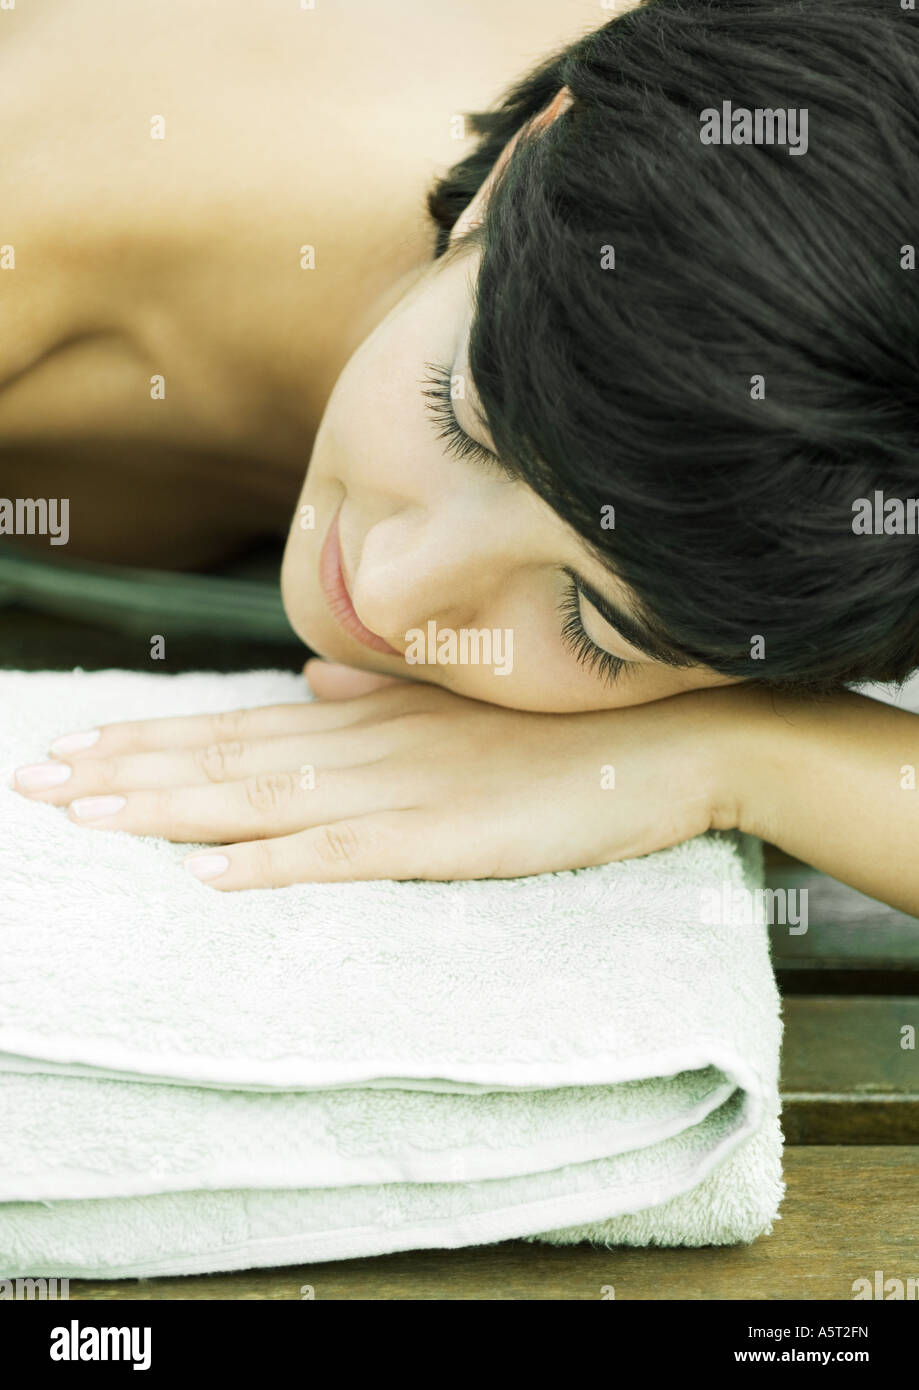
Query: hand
[{"x": 400, "y": 780}]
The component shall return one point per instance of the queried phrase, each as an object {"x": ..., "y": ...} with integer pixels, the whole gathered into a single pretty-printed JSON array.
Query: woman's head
[{"x": 692, "y": 359}]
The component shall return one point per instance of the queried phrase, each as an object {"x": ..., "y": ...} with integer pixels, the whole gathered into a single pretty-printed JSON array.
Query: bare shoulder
[
  {"x": 135, "y": 134},
  {"x": 163, "y": 163}
]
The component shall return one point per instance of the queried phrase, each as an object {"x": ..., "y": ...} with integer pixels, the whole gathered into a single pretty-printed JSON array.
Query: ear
[{"x": 473, "y": 214}]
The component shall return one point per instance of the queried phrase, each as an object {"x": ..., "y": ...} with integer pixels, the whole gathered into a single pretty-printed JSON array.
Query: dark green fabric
[{"x": 241, "y": 602}]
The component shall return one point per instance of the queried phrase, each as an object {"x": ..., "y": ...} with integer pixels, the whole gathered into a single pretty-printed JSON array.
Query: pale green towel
[{"x": 197, "y": 1081}]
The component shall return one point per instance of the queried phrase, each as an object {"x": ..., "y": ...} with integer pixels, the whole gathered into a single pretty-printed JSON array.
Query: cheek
[
  {"x": 658, "y": 683},
  {"x": 540, "y": 674},
  {"x": 548, "y": 679}
]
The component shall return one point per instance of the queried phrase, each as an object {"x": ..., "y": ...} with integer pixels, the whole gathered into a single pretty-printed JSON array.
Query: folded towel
[{"x": 194, "y": 1081}]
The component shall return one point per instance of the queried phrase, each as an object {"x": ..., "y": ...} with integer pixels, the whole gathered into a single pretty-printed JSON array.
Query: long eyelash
[
  {"x": 439, "y": 405},
  {"x": 608, "y": 667}
]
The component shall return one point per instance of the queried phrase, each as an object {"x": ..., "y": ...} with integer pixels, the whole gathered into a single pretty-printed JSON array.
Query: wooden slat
[
  {"x": 845, "y": 929},
  {"x": 846, "y": 1079},
  {"x": 847, "y": 1212},
  {"x": 853, "y": 944}
]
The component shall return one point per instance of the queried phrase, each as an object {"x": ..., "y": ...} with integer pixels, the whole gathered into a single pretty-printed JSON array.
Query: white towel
[{"x": 194, "y": 1081}]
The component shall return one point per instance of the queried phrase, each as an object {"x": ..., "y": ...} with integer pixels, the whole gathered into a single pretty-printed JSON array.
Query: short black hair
[{"x": 631, "y": 386}]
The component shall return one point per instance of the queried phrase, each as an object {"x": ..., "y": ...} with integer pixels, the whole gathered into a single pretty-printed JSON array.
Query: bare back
[{"x": 166, "y": 346}]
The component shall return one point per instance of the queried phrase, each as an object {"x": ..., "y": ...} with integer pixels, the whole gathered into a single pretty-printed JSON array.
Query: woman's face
[{"x": 408, "y": 560}]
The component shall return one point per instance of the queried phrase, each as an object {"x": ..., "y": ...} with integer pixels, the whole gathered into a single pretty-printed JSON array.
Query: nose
[{"x": 414, "y": 567}]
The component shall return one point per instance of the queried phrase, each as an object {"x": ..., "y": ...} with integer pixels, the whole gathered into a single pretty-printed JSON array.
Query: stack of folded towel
[{"x": 194, "y": 1081}]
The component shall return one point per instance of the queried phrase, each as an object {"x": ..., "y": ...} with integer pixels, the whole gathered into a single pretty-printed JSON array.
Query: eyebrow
[{"x": 632, "y": 629}]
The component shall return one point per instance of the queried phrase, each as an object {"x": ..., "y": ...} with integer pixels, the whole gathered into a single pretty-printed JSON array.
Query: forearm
[{"x": 832, "y": 782}]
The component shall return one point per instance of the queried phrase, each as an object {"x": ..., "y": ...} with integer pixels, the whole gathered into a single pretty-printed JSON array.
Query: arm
[
  {"x": 832, "y": 782},
  {"x": 396, "y": 779}
]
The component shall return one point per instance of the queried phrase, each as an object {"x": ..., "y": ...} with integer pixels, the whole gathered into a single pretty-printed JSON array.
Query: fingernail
[
  {"x": 72, "y": 743},
  {"x": 95, "y": 807},
  {"x": 207, "y": 865},
  {"x": 39, "y": 775}
]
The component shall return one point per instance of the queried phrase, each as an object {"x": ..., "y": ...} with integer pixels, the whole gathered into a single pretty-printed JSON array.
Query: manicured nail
[
  {"x": 95, "y": 807},
  {"x": 37, "y": 776},
  {"x": 207, "y": 865},
  {"x": 72, "y": 743}
]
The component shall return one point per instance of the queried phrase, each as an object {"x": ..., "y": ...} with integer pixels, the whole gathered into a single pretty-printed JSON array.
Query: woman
[{"x": 584, "y": 538}]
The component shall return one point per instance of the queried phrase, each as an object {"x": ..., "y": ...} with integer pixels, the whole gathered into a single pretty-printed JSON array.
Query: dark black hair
[{"x": 631, "y": 386}]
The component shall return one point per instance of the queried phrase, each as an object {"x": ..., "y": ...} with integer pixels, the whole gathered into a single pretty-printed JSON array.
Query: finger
[
  {"x": 61, "y": 782},
  {"x": 199, "y": 730},
  {"x": 330, "y": 681},
  {"x": 386, "y": 845},
  {"x": 261, "y": 806}
]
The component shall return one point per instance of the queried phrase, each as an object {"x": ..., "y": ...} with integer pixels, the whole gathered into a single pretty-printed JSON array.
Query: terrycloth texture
[{"x": 195, "y": 1081}]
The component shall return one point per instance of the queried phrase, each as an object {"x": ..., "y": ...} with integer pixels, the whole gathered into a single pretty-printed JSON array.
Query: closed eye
[
  {"x": 607, "y": 666},
  {"x": 437, "y": 389}
]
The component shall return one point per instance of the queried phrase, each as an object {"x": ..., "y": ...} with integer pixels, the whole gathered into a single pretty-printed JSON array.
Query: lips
[{"x": 332, "y": 583}]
